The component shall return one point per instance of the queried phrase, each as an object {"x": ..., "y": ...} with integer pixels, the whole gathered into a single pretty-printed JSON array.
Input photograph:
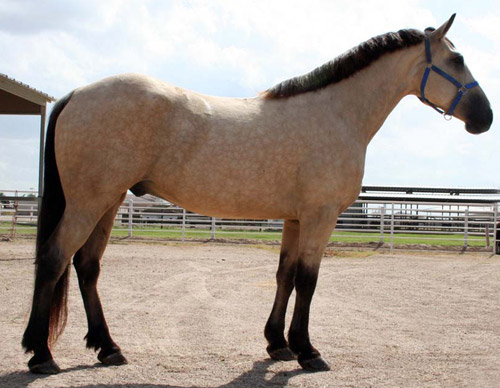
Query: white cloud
[{"x": 83, "y": 41}]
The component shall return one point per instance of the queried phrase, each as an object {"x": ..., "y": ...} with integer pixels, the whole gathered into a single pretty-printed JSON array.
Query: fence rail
[{"x": 387, "y": 222}]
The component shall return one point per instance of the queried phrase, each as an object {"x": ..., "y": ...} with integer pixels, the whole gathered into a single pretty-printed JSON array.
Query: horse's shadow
[{"x": 255, "y": 377}]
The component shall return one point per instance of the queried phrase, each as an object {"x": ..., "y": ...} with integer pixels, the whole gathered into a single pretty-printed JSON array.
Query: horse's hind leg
[
  {"x": 49, "y": 310},
  {"x": 274, "y": 332},
  {"x": 52, "y": 274},
  {"x": 87, "y": 264}
]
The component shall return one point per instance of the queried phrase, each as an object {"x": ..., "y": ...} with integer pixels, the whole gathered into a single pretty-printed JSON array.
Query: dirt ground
[{"x": 192, "y": 315}]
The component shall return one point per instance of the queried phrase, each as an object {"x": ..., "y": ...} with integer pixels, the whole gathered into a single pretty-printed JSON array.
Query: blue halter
[{"x": 462, "y": 89}]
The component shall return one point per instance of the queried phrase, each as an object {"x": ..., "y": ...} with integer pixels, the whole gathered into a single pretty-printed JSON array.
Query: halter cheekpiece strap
[{"x": 461, "y": 89}]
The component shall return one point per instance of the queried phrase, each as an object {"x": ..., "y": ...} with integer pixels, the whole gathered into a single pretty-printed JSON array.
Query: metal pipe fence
[{"x": 376, "y": 222}]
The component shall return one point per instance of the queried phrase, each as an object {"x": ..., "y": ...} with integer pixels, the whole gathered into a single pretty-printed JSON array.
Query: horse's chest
[{"x": 336, "y": 179}]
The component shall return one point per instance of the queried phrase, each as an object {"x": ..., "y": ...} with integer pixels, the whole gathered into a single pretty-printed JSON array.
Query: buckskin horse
[{"x": 295, "y": 152}]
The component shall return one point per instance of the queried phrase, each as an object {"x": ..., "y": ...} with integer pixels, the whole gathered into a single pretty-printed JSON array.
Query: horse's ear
[{"x": 440, "y": 33}]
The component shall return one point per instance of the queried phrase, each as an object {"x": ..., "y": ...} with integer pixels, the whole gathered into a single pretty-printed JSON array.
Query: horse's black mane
[{"x": 346, "y": 64}]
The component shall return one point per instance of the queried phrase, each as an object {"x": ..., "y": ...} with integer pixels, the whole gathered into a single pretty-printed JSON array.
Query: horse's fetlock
[
  {"x": 274, "y": 333},
  {"x": 98, "y": 338},
  {"x": 298, "y": 342}
]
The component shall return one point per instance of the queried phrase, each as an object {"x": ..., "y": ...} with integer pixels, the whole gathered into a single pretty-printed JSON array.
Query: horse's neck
[{"x": 363, "y": 102}]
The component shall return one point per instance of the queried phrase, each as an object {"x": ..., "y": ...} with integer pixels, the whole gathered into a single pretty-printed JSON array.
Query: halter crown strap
[{"x": 461, "y": 89}]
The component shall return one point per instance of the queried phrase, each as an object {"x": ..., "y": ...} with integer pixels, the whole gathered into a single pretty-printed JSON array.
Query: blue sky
[{"x": 238, "y": 48}]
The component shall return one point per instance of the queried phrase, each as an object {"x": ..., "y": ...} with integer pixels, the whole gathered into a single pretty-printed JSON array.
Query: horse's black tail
[
  {"x": 51, "y": 212},
  {"x": 53, "y": 202}
]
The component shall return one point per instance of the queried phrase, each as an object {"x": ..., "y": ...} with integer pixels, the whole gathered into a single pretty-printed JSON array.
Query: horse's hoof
[
  {"x": 283, "y": 354},
  {"x": 317, "y": 364},
  {"x": 116, "y": 358},
  {"x": 48, "y": 367}
]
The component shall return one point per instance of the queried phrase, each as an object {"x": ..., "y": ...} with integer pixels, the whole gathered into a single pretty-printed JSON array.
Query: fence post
[
  {"x": 14, "y": 220},
  {"x": 183, "y": 225},
  {"x": 213, "y": 228},
  {"x": 466, "y": 228},
  {"x": 382, "y": 223},
  {"x": 392, "y": 226},
  {"x": 495, "y": 215},
  {"x": 130, "y": 216}
]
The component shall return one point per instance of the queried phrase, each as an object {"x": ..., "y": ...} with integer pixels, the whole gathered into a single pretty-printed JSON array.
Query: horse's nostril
[
  {"x": 484, "y": 119},
  {"x": 490, "y": 117}
]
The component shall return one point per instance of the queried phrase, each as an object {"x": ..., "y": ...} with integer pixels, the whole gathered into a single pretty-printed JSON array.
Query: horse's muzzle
[
  {"x": 479, "y": 115},
  {"x": 480, "y": 123}
]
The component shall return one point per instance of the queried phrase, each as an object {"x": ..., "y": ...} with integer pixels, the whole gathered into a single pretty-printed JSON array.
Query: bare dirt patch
[{"x": 193, "y": 315}]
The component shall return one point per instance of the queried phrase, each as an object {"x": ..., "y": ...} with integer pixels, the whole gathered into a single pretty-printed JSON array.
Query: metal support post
[
  {"x": 41, "y": 154},
  {"x": 213, "y": 228}
]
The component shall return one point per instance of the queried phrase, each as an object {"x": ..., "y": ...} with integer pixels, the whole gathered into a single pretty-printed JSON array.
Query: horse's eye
[{"x": 458, "y": 60}]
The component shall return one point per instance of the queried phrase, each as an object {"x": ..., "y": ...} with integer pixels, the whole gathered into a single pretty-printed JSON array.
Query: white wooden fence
[{"x": 387, "y": 222}]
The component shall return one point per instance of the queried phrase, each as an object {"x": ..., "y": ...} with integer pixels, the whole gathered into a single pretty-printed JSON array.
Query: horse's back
[{"x": 183, "y": 145}]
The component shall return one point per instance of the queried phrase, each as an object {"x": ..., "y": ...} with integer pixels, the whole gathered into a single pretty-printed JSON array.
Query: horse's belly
[{"x": 227, "y": 203}]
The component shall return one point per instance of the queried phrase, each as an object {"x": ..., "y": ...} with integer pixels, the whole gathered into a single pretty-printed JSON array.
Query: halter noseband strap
[{"x": 461, "y": 89}]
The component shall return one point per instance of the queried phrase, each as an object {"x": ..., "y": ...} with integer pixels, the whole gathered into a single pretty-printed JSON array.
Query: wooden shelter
[{"x": 17, "y": 98}]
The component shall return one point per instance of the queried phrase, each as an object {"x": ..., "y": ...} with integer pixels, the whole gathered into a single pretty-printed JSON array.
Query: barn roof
[{"x": 18, "y": 98}]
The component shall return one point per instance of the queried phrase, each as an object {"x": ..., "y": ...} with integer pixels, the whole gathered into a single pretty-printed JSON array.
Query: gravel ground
[{"x": 192, "y": 316}]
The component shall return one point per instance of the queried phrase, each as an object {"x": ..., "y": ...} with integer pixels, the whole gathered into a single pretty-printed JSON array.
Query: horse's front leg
[
  {"x": 315, "y": 231},
  {"x": 278, "y": 346}
]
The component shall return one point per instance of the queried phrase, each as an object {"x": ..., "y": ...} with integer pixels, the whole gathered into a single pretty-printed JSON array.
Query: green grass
[
  {"x": 339, "y": 236},
  {"x": 6, "y": 227},
  {"x": 197, "y": 234},
  {"x": 155, "y": 232},
  {"x": 410, "y": 238}
]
